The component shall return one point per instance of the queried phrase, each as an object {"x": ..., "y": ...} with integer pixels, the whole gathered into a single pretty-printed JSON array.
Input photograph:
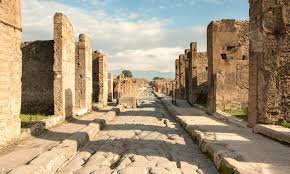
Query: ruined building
[
  {"x": 228, "y": 65},
  {"x": 100, "y": 79},
  {"x": 198, "y": 72},
  {"x": 83, "y": 75},
  {"x": 49, "y": 72},
  {"x": 10, "y": 65},
  {"x": 163, "y": 86},
  {"x": 269, "y": 93}
]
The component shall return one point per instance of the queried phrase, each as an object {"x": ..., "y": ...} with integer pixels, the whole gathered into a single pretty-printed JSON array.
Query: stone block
[{"x": 128, "y": 102}]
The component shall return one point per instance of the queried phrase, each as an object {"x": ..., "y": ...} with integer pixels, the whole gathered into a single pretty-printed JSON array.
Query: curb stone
[
  {"x": 50, "y": 161},
  {"x": 224, "y": 159}
]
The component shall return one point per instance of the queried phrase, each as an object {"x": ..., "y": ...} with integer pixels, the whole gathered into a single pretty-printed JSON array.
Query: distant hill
[{"x": 149, "y": 75}]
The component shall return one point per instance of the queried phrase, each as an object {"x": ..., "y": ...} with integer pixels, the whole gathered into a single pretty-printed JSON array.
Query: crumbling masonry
[
  {"x": 100, "y": 79},
  {"x": 10, "y": 68},
  {"x": 228, "y": 65},
  {"x": 269, "y": 96},
  {"x": 64, "y": 66},
  {"x": 198, "y": 72},
  {"x": 83, "y": 75},
  {"x": 110, "y": 87}
]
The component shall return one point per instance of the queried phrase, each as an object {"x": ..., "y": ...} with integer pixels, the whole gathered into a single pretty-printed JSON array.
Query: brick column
[
  {"x": 10, "y": 68},
  {"x": 182, "y": 64},
  {"x": 269, "y": 61},
  {"x": 192, "y": 72},
  {"x": 83, "y": 75},
  {"x": 64, "y": 66},
  {"x": 110, "y": 87},
  {"x": 177, "y": 79},
  {"x": 100, "y": 79}
]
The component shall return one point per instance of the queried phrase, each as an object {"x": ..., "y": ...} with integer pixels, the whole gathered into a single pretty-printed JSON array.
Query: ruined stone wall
[
  {"x": 186, "y": 87},
  {"x": 202, "y": 71},
  {"x": 10, "y": 68},
  {"x": 228, "y": 42},
  {"x": 163, "y": 86},
  {"x": 269, "y": 97},
  {"x": 100, "y": 78},
  {"x": 110, "y": 87},
  {"x": 83, "y": 75},
  {"x": 128, "y": 87},
  {"x": 37, "y": 77},
  {"x": 64, "y": 66}
]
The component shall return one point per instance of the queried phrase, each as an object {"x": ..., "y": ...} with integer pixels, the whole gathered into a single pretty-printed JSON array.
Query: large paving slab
[
  {"x": 24, "y": 151},
  {"x": 145, "y": 140},
  {"x": 232, "y": 148}
]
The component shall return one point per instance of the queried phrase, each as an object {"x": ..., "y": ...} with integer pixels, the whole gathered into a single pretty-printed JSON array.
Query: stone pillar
[
  {"x": 83, "y": 75},
  {"x": 186, "y": 56},
  {"x": 100, "y": 79},
  {"x": 228, "y": 73},
  {"x": 269, "y": 61},
  {"x": 10, "y": 68},
  {"x": 182, "y": 64},
  {"x": 110, "y": 87},
  {"x": 64, "y": 66},
  {"x": 192, "y": 72},
  {"x": 177, "y": 79}
]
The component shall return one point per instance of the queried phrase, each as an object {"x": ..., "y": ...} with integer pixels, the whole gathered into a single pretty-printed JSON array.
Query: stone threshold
[
  {"x": 53, "y": 159},
  {"x": 230, "y": 119},
  {"x": 275, "y": 132}
]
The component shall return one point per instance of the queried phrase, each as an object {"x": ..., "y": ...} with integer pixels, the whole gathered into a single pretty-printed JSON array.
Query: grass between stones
[
  {"x": 28, "y": 120},
  {"x": 240, "y": 113},
  {"x": 284, "y": 123}
]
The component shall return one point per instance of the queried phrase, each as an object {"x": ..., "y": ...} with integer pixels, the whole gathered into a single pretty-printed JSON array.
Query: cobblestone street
[{"x": 144, "y": 140}]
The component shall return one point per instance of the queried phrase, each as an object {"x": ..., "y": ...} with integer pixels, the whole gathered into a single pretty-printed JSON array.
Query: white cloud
[{"x": 138, "y": 45}]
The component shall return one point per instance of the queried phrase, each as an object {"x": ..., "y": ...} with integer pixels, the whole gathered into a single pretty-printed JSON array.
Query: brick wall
[
  {"x": 10, "y": 68},
  {"x": 269, "y": 61},
  {"x": 37, "y": 77}
]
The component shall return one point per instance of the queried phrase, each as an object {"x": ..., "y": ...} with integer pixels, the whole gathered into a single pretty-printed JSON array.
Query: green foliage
[
  {"x": 240, "y": 113},
  {"x": 29, "y": 119},
  {"x": 127, "y": 73},
  {"x": 158, "y": 78},
  {"x": 284, "y": 123}
]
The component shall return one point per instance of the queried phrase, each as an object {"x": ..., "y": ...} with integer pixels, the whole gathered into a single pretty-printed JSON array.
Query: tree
[
  {"x": 158, "y": 78},
  {"x": 127, "y": 73}
]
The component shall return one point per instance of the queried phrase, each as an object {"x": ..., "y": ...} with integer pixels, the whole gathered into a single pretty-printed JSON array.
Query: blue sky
[{"x": 136, "y": 34}]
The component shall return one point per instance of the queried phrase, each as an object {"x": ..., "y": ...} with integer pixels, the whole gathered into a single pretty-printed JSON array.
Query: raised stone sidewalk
[
  {"x": 233, "y": 149},
  {"x": 48, "y": 152}
]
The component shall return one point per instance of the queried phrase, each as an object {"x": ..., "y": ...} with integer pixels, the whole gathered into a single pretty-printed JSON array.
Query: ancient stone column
[
  {"x": 10, "y": 68},
  {"x": 177, "y": 79},
  {"x": 228, "y": 66},
  {"x": 64, "y": 66},
  {"x": 192, "y": 72},
  {"x": 100, "y": 79},
  {"x": 110, "y": 87},
  {"x": 187, "y": 57},
  {"x": 269, "y": 91},
  {"x": 83, "y": 75},
  {"x": 182, "y": 64}
]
